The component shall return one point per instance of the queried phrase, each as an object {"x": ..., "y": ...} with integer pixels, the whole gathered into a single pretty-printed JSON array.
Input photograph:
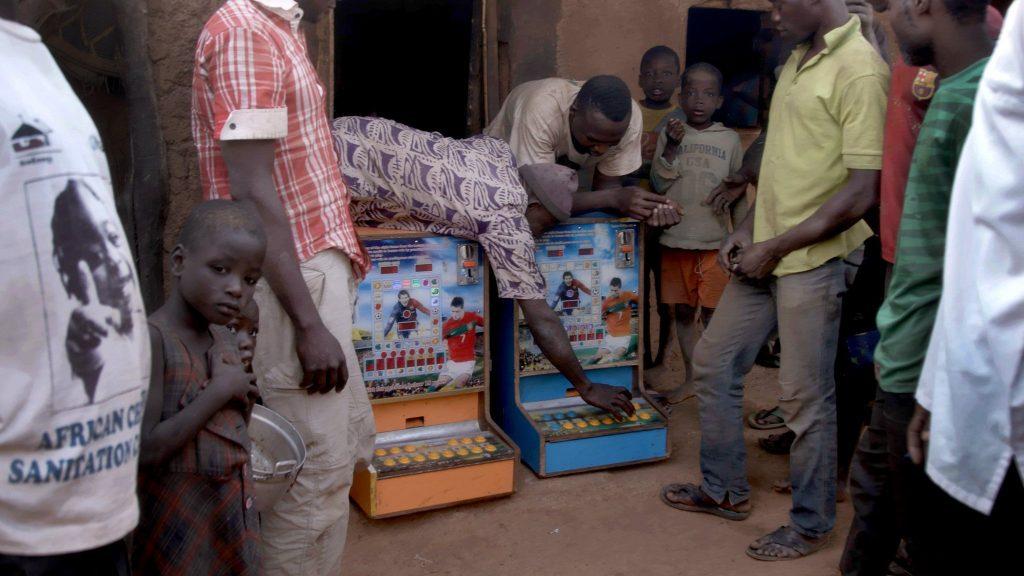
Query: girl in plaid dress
[{"x": 195, "y": 484}]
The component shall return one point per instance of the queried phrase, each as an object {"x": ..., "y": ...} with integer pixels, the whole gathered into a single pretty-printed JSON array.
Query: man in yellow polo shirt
[{"x": 818, "y": 178}]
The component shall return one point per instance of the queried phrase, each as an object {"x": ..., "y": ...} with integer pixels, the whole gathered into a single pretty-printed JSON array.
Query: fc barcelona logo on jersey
[{"x": 924, "y": 84}]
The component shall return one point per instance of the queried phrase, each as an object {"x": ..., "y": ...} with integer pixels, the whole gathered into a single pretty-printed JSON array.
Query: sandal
[
  {"x": 785, "y": 544},
  {"x": 767, "y": 419},
  {"x": 698, "y": 501},
  {"x": 778, "y": 443}
]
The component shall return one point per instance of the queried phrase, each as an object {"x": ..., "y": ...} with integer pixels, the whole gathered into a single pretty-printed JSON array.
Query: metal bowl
[{"x": 277, "y": 456}]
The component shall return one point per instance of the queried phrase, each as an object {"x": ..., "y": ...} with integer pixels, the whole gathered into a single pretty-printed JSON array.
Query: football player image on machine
[
  {"x": 459, "y": 332},
  {"x": 617, "y": 310},
  {"x": 568, "y": 293},
  {"x": 404, "y": 314}
]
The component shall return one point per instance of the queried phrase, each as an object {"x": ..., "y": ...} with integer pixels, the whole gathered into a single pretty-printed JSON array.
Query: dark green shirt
[{"x": 908, "y": 313}]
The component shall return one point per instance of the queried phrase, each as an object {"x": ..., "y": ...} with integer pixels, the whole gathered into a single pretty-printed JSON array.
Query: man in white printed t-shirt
[
  {"x": 74, "y": 358},
  {"x": 593, "y": 125}
]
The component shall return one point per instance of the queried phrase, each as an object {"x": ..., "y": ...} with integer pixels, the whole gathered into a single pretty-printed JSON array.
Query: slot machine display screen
[
  {"x": 419, "y": 318},
  {"x": 592, "y": 278}
]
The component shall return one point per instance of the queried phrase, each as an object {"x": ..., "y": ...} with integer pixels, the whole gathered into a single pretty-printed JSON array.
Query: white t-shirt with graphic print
[{"x": 74, "y": 351}]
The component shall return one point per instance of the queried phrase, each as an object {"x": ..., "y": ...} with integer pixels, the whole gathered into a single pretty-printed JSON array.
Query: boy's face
[
  {"x": 795, "y": 20},
  {"x": 614, "y": 290},
  {"x": 701, "y": 97},
  {"x": 914, "y": 28},
  {"x": 219, "y": 277},
  {"x": 246, "y": 327},
  {"x": 458, "y": 312},
  {"x": 658, "y": 78},
  {"x": 403, "y": 299},
  {"x": 567, "y": 279}
]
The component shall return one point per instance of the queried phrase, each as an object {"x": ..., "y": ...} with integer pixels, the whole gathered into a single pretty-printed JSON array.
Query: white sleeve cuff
[{"x": 256, "y": 124}]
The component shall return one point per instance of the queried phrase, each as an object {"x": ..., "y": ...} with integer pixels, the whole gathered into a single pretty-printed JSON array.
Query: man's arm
[
  {"x": 633, "y": 202},
  {"x": 738, "y": 241},
  {"x": 863, "y": 10},
  {"x": 734, "y": 186},
  {"x": 419, "y": 306},
  {"x": 842, "y": 210},
  {"x": 603, "y": 182},
  {"x": 250, "y": 166},
  {"x": 550, "y": 336},
  {"x": 583, "y": 287}
]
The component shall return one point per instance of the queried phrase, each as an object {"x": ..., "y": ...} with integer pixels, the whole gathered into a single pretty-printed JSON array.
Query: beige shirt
[
  {"x": 703, "y": 160},
  {"x": 534, "y": 120}
]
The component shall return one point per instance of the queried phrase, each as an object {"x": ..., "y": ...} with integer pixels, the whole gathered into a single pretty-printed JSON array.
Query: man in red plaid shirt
[{"x": 260, "y": 126}]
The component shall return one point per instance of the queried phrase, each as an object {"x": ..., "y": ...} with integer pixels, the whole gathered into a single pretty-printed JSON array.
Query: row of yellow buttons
[
  {"x": 607, "y": 421},
  {"x": 458, "y": 447}
]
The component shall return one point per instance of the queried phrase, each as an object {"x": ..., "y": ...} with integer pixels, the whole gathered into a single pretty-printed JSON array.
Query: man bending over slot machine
[{"x": 407, "y": 179}]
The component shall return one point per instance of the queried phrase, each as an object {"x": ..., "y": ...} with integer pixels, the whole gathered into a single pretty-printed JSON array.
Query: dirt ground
[{"x": 602, "y": 524}]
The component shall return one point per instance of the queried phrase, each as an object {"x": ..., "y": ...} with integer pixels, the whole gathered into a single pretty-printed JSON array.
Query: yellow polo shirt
[{"x": 826, "y": 118}]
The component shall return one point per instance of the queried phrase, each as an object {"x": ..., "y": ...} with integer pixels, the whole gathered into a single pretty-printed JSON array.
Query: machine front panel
[
  {"x": 409, "y": 338},
  {"x": 593, "y": 281}
]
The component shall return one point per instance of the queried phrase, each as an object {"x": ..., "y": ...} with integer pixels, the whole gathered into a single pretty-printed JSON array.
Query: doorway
[
  {"x": 406, "y": 60},
  {"x": 743, "y": 45}
]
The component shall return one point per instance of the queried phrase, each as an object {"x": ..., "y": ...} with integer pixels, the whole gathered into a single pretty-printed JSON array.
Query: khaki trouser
[{"x": 305, "y": 532}]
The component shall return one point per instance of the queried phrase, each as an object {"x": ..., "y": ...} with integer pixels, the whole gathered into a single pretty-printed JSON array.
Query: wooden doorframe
[{"x": 484, "y": 96}]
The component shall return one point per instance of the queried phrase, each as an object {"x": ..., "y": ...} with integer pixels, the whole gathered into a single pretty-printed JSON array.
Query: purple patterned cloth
[{"x": 408, "y": 179}]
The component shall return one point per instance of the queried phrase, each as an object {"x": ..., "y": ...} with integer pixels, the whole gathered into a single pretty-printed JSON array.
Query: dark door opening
[
  {"x": 744, "y": 46},
  {"x": 407, "y": 60}
]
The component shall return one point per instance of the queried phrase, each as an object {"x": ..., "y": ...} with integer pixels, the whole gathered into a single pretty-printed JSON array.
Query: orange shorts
[{"x": 691, "y": 277}]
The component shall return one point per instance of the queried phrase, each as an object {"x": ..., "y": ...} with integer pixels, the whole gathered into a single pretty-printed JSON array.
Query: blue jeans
[{"x": 806, "y": 308}]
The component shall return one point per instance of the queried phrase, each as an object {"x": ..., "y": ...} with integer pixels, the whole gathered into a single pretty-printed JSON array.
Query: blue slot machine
[{"x": 592, "y": 267}]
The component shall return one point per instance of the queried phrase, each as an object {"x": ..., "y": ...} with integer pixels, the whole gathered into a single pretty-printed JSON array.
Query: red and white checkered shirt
[{"x": 253, "y": 81}]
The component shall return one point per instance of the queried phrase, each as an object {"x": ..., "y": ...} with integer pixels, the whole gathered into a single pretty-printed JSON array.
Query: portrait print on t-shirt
[{"x": 80, "y": 247}]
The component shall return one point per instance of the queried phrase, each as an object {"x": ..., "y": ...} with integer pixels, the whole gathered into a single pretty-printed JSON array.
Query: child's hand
[
  {"x": 728, "y": 191},
  {"x": 230, "y": 380},
  {"x": 675, "y": 131}
]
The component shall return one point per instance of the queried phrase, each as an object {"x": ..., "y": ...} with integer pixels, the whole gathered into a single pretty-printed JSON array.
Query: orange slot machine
[{"x": 421, "y": 340}]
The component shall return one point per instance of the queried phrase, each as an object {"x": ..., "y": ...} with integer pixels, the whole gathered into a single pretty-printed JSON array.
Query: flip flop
[
  {"x": 788, "y": 539},
  {"x": 702, "y": 503},
  {"x": 778, "y": 444},
  {"x": 774, "y": 414}
]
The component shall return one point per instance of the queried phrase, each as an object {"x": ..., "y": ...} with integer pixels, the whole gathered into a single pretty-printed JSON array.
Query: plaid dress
[{"x": 197, "y": 515}]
